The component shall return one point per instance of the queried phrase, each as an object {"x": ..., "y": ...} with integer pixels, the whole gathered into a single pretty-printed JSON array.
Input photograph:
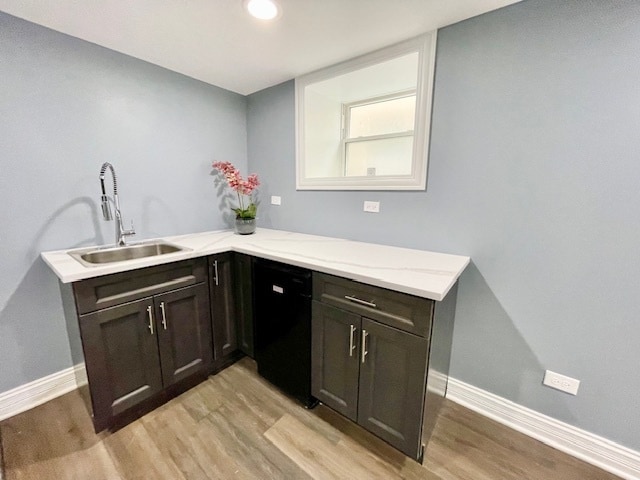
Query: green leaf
[
  {"x": 252, "y": 210},
  {"x": 249, "y": 212}
]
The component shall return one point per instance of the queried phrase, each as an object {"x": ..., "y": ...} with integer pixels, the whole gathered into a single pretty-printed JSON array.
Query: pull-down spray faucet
[{"x": 121, "y": 233}]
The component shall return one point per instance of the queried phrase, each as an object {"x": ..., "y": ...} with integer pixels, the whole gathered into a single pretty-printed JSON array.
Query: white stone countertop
[{"x": 416, "y": 272}]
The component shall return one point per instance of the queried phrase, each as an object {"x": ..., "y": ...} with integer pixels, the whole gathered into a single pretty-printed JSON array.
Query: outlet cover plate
[
  {"x": 276, "y": 200},
  {"x": 371, "y": 207},
  {"x": 561, "y": 382}
]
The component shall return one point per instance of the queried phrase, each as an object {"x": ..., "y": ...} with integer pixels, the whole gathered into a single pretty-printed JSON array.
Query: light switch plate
[
  {"x": 276, "y": 200},
  {"x": 371, "y": 207}
]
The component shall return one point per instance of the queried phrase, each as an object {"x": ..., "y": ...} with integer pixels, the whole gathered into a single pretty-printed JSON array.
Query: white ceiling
[{"x": 217, "y": 42}]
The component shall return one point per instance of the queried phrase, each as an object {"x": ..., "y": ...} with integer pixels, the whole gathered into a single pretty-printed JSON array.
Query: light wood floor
[{"x": 235, "y": 425}]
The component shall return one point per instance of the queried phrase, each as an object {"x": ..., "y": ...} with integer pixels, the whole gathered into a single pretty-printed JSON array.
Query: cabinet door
[
  {"x": 243, "y": 283},
  {"x": 184, "y": 332},
  {"x": 222, "y": 308},
  {"x": 121, "y": 357},
  {"x": 392, "y": 381},
  {"x": 334, "y": 358}
]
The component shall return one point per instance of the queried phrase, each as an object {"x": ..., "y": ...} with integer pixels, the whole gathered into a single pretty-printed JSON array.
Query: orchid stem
[{"x": 241, "y": 203}]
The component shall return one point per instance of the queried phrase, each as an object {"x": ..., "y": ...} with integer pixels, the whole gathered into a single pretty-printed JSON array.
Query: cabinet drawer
[
  {"x": 400, "y": 310},
  {"x": 109, "y": 290}
]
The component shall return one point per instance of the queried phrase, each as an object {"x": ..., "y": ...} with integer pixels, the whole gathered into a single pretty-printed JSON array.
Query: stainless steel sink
[{"x": 93, "y": 257}]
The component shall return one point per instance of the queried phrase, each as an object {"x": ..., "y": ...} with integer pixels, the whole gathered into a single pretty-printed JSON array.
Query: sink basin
[{"x": 99, "y": 256}]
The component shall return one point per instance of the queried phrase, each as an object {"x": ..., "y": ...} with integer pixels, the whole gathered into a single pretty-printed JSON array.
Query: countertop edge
[{"x": 68, "y": 270}]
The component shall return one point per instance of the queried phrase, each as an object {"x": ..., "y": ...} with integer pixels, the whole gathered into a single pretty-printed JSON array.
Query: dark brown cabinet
[
  {"x": 379, "y": 357},
  {"x": 371, "y": 373},
  {"x": 335, "y": 365},
  {"x": 243, "y": 292},
  {"x": 121, "y": 357},
  {"x": 154, "y": 334},
  {"x": 371, "y": 358},
  {"x": 184, "y": 333},
  {"x": 231, "y": 290},
  {"x": 392, "y": 380},
  {"x": 221, "y": 282}
]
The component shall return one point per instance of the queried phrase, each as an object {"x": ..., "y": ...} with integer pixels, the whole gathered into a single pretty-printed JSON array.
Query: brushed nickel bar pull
[
  {"x": 215, "y": 268},
  {"x": 364, "y": 344},
  {"x": 164, "y": 315},
  {"x": 361, "y": 302},
  {"x": 351, "y": 344},
  {"x": 150, "y": 313}
]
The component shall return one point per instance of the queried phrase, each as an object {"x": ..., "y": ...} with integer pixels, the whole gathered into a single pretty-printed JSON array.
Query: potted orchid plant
[{"x": 247, "y": 207}]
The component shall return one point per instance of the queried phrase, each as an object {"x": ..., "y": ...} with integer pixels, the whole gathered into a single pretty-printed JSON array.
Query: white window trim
[{"x": 425, "y": 45}]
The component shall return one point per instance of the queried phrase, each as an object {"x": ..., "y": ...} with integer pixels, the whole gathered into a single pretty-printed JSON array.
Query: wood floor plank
[
  {"x": 250, "y": 448},
  {"x": 55, "y": 440},
  {"x": 251, "y": 396},
  {"x": 260, "y": 393},
  {"x": 236, "y": 425},
  {"x": 366, "y": 440},
  {"x": 172, "y": 429},
  {"x": 467, "y": 445},
  {"x": 216, "y": 452},
  {"x": 202, "y": 400},
  {"x": 245, "y": 421},
  {"x": 316, "y": 455},
  {"x": 73, "y": 466},
  {"x": 137, "y": 456},
  {"x": 367, "y": 449}
]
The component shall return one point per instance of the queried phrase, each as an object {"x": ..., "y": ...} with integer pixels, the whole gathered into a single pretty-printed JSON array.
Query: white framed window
[
  {"x": 342, "y": 136},
  {"x": 377, "y": 135}
]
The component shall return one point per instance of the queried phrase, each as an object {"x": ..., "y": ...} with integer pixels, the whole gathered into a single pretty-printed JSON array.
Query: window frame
[
  {"x": 425, "y": 47},
  {"x": 346, "y": 139}
]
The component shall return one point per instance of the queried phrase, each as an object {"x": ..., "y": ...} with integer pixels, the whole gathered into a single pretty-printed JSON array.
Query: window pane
[
  {"x": 388, "y": 116},
  {"x": 386, "y": 156}
]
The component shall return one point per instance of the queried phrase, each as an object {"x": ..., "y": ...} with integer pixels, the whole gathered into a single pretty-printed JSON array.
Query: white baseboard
[
  {"x": 25, "y": 397},
  {"x": 586, "y": 446}
]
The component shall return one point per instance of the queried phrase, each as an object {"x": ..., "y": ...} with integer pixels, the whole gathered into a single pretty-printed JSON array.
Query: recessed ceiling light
[{"x": 262, "y": 9}]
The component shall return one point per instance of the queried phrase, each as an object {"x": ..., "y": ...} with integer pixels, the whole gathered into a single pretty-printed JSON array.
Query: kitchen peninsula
[{"x": 379, "y": 339}]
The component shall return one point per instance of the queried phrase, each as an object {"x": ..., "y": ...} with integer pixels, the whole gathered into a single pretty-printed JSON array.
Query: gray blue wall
[
  {"x": 67, "y": 106},
  {"x": 534, "y": 172}
]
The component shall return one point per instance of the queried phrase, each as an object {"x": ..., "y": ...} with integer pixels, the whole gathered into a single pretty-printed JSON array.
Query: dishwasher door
[{"x": 283, "y": 327}]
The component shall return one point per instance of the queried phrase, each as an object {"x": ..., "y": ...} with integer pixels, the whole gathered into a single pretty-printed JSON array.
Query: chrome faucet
[{"x": 121, "y": 233}]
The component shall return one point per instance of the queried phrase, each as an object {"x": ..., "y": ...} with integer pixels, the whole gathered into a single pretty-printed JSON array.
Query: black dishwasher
[{"x": 283, "y": 327}]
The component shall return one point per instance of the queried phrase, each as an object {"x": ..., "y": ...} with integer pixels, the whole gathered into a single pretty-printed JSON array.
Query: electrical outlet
[
  {"x": 371, "y": 207},
  {"x": 561, "y": 382},
  {"x": 276, "y": 200}
]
